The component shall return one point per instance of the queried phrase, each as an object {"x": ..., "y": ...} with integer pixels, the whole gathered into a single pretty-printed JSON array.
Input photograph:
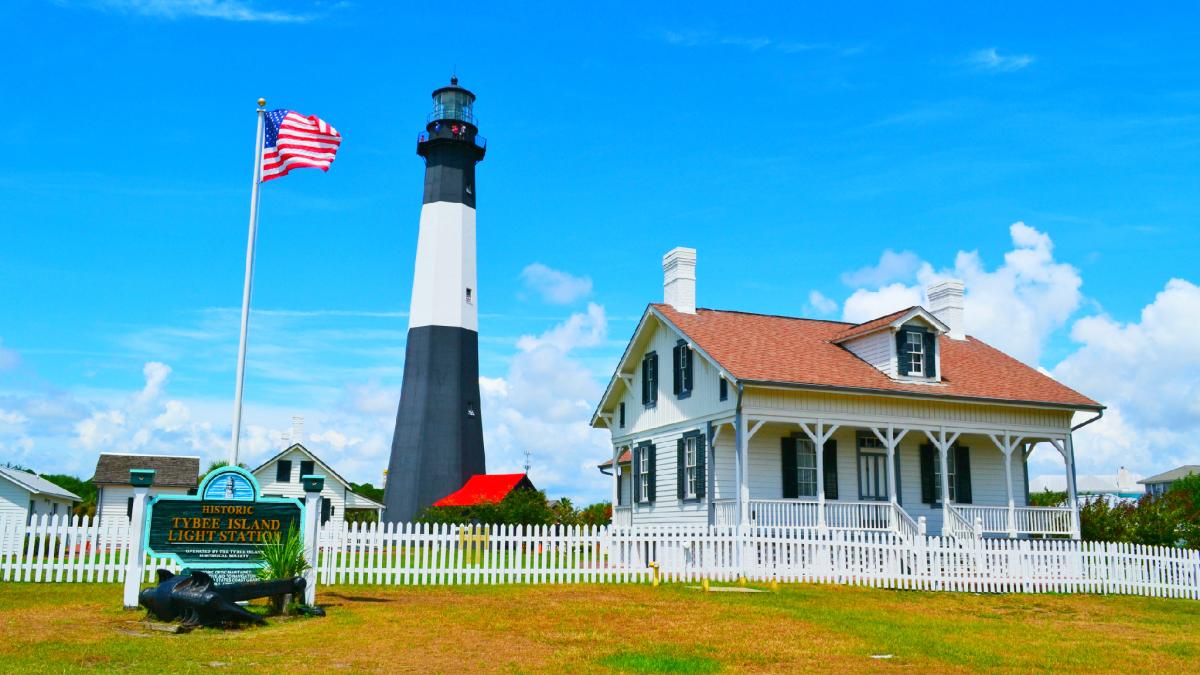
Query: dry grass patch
[{"x": 57, "y": 627}]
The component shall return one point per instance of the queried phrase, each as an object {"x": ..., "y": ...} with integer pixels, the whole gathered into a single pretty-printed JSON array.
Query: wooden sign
[{"x": 220, "y": 529}]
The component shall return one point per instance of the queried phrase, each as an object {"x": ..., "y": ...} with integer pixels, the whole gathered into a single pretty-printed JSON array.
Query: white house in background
[
  {"x": 729, "y": 417},
  {"x": 280, "y": 476},
  {"x": 1123, "y": 486},
  {"x": 173, "y": 475},
  {"x": 25, "y": 496},
  {"x": 1160, "y": 484}
]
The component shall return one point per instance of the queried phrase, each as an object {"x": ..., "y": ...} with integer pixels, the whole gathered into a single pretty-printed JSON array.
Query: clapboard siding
[
  {"x": 781, "y": 401},
  {"x": 876, "y": 349},
  {"x": 334, "y": 490},
  {"x": 667, "y": 508},
  {"x": 113, "y": 500},
  {"x": 704, "y": 400},
  {"x": 14, "y": 500}
]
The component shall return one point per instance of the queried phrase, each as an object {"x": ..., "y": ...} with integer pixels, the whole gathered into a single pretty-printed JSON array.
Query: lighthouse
[{"x": 438, "y": 441}]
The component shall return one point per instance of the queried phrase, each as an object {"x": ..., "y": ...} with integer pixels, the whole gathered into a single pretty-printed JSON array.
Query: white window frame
[
  {"x": 937, "y": 475},
  {"x": 690, "y": 458},
  {"x": 643, "y": 475},
  {"x": 806, "y": 449},
  {"x": 916, "y": 353}
]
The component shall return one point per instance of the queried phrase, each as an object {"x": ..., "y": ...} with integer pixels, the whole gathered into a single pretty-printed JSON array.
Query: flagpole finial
[{"x": 262, "y": 102}]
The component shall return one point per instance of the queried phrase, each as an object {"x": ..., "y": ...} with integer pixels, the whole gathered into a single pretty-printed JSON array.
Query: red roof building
[{"x": 486, "y": 489}]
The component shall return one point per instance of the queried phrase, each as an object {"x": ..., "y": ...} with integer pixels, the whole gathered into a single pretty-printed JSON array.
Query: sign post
[
  {"x": 221, "y": 529},
  {"x": 135, "y": 566},
  {"x": 313, "y": 484}
]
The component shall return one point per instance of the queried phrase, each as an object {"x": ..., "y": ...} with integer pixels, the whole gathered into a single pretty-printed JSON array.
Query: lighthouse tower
[{"x": 438, "y": 442}]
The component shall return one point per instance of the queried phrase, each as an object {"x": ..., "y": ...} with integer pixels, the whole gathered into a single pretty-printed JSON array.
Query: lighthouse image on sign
[{"x": 438, "y": 442}]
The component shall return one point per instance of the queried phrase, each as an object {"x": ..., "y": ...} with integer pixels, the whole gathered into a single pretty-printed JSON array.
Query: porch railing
[
  {"x": 858, "y": 515},
  {"x": 725, "y": 512},
  {"x": 622, "y": 516},
  {"x": 957, "y": 525},
  {"x": 1035, "y": 520},
  {"x": 804, "y": 513},
  {"x": 783, "y": 513}
]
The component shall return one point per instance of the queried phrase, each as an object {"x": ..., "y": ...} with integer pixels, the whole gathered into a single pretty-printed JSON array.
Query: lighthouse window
[{"x": 468, "y": 296}]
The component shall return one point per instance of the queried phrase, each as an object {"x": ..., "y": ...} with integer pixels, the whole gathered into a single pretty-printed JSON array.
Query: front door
[{"x": 872, "y": 477}]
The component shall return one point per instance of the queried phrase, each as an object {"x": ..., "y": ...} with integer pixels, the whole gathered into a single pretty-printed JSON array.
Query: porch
[{"x": 869, "y": 474}]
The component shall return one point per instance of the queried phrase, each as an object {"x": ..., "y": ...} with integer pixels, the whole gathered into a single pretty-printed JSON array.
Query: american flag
[{"x": 293, "y": 141}]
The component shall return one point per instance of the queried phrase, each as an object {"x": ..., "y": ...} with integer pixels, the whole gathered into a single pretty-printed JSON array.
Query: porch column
[
  {"x": 1069, "y": 458},
  {"x": 818, "y": 435},
  {"x": 1007, "y": 444},
  {"x": 739, "y": 473},
  {"x": 943, "y": 446},
  {"x": 891, "y": 441}
]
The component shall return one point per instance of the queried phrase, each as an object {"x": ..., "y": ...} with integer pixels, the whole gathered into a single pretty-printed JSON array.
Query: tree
[
  {"x": 367, "y": 490},
  {"x": 1047, "y": 498},
  {"x": 84, "y": 488},
  {"x": 217, "y": 465}
]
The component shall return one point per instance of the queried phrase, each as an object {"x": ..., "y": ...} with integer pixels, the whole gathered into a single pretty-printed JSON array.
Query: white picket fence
[
  {"x": 69, "y": 549},
  {"x": 74, "y": 550}
]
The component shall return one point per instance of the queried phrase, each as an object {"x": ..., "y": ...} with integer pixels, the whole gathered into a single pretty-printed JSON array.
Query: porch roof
[{"x": 768, "y": 349}]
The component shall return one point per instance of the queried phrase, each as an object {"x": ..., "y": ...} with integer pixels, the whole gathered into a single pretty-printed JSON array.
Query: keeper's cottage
[{"x": 728, "y": 418}]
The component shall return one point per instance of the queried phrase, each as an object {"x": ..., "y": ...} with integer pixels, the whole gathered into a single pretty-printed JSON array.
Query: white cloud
[
  {"x": 174, "y": 417},
  {"x": 864, "y": 305},
  {"x": 336, "y": 439},
  {"x": 226, "y": 10},
  {"x": 555, "y": 286},
  {"x": 892, "y": 267},
  {"x": 1148, "y": 373},
  {"x": 544, "y": 405},
  {"x": 990, "y": 59},
  {"x": 156, "y": 374},
  {"x": 821, "y": 304},
  {"x": 1015, "y": 307}
]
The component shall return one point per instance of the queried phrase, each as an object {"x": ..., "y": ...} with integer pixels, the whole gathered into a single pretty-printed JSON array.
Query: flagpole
[{"x": 241, "y": 363}]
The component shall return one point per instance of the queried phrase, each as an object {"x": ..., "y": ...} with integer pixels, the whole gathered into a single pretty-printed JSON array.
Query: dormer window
[{"x": 916, "y": 354}]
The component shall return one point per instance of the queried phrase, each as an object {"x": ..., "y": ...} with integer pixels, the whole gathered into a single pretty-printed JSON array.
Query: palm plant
[{"x": 283, "y": 558}]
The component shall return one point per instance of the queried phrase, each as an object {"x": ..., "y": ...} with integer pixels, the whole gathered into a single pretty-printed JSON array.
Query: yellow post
[
  {"x": 704, "y": 584},
  {"x": 654, "y": 567},
  {"x": 774, "y": 584}
]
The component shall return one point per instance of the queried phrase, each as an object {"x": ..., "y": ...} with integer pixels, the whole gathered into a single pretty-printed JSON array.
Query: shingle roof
[
  {"x": 169, "y": 471},
  {"x": 482, "y": 488},
  {"x": 624, "y": 458},
  {"x": 873, "y": 324},
  {"x": 1172, "y": 475},
  {"x": 787, "y": 350},
  {"x": 37, "y": 484}
]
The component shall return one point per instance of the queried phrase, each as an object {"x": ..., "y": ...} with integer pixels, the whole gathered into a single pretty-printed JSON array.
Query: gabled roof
[
  {"x": 764, "y": 349},
  {"x": 169, "y": 470},
  {"x": 36, "y": 484},
  {"x": 1172, "y": 475},
  {"x": 330, "y": 473},
  {"x": 893, "y": 320},
  {"x": 486, "y": 488},
  {"x": 767, "y": 349}
]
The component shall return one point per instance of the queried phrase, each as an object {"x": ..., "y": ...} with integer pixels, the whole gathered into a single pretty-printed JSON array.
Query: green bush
[
  {"x": 1047, "y": 498},
  {"x": 283, "y": 558},
  {"x": 1170, "y": 520}
]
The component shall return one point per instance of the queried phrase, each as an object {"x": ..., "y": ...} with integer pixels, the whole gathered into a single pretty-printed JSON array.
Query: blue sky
[{"x": 825, "y": 162}]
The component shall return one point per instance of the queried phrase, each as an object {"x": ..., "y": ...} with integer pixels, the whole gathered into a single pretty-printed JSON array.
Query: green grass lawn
[{"x": 595, "y": 628}]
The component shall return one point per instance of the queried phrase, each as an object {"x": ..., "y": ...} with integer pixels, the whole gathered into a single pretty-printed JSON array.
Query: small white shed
[
  {"x": 280, "y": 476},
  {"x": 24, "y": 495}
]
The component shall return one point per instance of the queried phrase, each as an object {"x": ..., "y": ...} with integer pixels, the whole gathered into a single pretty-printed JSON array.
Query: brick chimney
[
  {"x": 679, "y": 279},
  {"x": 946, "y": 303}
]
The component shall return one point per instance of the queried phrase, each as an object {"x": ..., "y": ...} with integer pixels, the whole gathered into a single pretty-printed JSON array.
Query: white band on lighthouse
[{"x": 444, "y": 292}]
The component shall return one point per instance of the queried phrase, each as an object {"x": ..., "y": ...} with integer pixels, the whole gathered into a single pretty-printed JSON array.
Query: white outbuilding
[{"x": 24, "y": 496}]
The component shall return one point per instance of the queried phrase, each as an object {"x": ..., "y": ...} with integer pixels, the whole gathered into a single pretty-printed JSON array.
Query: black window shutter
[
  {"x": 676, "y": 373},
  {"x": 901, "y": 352},
  {"x": 307, "y": 468},
  {"x": 128, "y": 509},
  {"x": 701, "y": 465},
  {"x": 653, "y": 396},
  {"x": 283, "y": 471},
  {"x": 896, "y": 468},
  {"x": 830, "y": 462},
  {"x": 791, "y": 482},
  {"x": 724, "y": 389},
  {"x": 622, "y": 414},
  {"x": 646, "y": 380},
  {"x": 635, "y": 475},
  {"x": 930, "y": 361},
  {"x": 962, "y": 474},
  {"x": 326, "y": 509},
  {"x": 927, "y": 483},
  {"x": 680, "y": 483},
  {"x": 687, "y": 368},
  {"x": 653, "y": 487}
]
